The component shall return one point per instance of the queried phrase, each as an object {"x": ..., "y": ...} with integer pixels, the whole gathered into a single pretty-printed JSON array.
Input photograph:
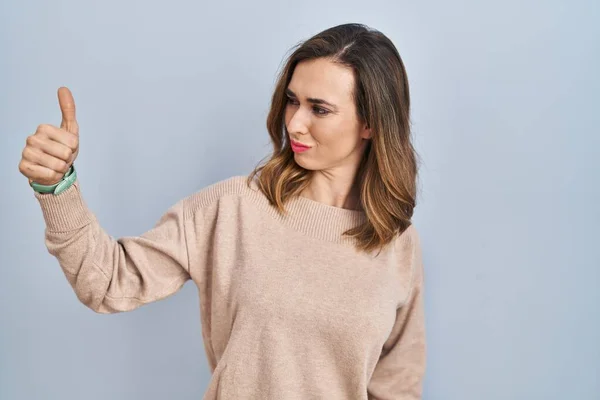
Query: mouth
[{"x": 298, "y": 147}]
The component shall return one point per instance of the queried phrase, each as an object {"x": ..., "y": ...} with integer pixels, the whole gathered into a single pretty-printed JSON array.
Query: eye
[
  {"x": 289, "y": 100},
  {"x": 320, "y": 111},
  {"x": 317, "y": 110}
]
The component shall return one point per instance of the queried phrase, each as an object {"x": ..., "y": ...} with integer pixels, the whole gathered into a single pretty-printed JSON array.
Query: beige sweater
[{"x": 289, "y": 309}]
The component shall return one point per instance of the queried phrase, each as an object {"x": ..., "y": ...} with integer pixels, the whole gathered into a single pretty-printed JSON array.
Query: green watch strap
[{"x": 58, "y": 187}]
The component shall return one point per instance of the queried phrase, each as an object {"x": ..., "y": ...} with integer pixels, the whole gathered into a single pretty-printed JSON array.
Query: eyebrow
[{"x": 312, "y": 99}]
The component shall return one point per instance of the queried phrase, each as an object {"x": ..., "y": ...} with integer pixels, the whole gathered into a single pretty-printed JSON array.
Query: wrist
[{"x": 59, "y": 187}]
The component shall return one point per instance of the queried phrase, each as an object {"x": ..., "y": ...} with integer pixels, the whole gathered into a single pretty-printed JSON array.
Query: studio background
[{"x": 173, "y": 96}]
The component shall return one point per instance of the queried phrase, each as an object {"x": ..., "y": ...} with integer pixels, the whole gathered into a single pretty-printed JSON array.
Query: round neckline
[
  {"x": 311, "y": 217},
  {"x": 321, "y": 220},
  {"x": 343, "y": 212}
]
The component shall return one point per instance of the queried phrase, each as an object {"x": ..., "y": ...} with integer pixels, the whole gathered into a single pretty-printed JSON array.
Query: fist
[{"x": 50, "y": 151}]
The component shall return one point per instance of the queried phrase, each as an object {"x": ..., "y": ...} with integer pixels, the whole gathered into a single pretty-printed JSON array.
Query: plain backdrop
[{"x": 173, "y": 96}]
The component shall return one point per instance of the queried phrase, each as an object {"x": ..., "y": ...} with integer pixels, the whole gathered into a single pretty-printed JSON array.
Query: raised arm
[
  {"x": 113, "y": 275},
  {"x": 108, "y": 275}
]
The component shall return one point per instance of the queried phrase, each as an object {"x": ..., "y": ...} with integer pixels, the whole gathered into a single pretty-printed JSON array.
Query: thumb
[{"x": 67, "y": 108}]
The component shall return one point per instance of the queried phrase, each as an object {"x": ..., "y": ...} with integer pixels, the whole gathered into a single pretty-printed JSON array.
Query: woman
[{"x": 308, "y": 270}]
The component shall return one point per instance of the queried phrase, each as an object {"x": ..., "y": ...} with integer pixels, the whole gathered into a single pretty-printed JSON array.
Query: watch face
[{"x": 67, "y": 181}]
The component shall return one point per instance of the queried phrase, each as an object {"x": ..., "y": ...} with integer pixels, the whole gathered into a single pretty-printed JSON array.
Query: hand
[{"x": 50, "y": 151}]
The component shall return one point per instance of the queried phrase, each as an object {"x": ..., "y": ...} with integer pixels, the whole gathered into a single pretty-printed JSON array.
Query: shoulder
[
  {"x": 409, "y": 240},
  {"x": 408, "y": 246},
  {"x": 230, "y": 188}
]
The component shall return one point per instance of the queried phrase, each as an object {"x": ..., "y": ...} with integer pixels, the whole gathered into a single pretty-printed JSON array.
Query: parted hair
[{"x": 387, "y": 176}]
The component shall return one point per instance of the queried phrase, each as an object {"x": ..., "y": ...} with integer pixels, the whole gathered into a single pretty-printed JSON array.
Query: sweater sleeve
[
  {"x": 112, "y": 275},
  {"x": 400, "y": 370}
]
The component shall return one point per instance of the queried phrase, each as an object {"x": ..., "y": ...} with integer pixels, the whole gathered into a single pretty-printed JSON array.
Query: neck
[{"x": 335, "y": 189}]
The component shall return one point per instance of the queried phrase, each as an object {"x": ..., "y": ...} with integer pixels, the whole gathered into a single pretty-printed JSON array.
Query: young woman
[{"x": 309, "y": 271}]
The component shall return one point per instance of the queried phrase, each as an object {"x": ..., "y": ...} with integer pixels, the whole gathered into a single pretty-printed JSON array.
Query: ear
[{"x": 366, "y": 132}]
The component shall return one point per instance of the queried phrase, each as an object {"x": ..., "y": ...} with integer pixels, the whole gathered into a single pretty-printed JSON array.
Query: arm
[
  {"x": 400, "y": 370},
  {"x": 114, "y": 275}
]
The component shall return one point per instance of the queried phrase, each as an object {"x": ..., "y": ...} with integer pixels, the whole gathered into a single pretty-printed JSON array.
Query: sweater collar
[{"x": 320, "y": 220}]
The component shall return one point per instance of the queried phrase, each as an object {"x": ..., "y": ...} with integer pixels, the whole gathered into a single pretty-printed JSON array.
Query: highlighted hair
[{"x": 387, "y": 176}]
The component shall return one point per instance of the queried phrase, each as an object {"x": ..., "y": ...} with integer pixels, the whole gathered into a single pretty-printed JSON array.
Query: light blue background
[{"x": 173, "y": 96}]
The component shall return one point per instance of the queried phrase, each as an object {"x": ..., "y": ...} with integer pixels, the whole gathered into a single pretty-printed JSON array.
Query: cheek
[{"x": 337, "y": 138}]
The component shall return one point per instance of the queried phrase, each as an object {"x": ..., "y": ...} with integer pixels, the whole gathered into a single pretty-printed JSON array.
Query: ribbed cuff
[{"x": 66, "y": 211}]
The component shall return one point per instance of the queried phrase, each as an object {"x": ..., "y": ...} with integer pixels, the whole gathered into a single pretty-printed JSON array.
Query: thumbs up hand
[{"x": 50, "y": 151}]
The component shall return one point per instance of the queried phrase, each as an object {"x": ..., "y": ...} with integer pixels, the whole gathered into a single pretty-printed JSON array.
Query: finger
[
  {"x": 51, "y": 147},
  {"x": 37, "y": 157},
  {"x": 40, "y": 174},
  {"x": 61, "y": 136},
  {"x": 67, "y": 109}
]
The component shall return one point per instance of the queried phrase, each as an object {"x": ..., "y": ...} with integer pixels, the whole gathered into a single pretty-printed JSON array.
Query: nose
[{"x": 299, "y": 122}]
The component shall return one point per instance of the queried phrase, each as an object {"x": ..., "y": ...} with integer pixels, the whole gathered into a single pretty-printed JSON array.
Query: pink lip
[{"x": 298, "y": 147}]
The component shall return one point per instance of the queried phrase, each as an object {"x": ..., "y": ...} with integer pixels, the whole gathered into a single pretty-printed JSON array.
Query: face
[{"x": 321, "y": 117}]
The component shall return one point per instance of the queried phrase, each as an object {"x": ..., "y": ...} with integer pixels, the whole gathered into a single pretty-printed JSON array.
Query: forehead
[{"x": 324, "y": 79}]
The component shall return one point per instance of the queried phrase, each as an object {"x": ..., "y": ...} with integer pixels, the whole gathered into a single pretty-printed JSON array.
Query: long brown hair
[{"x": 388, "y": 171}]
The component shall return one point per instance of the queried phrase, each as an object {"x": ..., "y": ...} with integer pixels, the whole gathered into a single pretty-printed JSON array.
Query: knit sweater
[{"x": 289, "y": 308}]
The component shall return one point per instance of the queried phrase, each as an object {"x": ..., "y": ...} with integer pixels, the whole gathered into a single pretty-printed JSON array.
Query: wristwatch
[{"x": 58, "y": 187}]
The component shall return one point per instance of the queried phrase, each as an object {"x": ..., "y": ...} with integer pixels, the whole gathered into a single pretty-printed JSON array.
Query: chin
[{"x": 304, "y": 163}]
